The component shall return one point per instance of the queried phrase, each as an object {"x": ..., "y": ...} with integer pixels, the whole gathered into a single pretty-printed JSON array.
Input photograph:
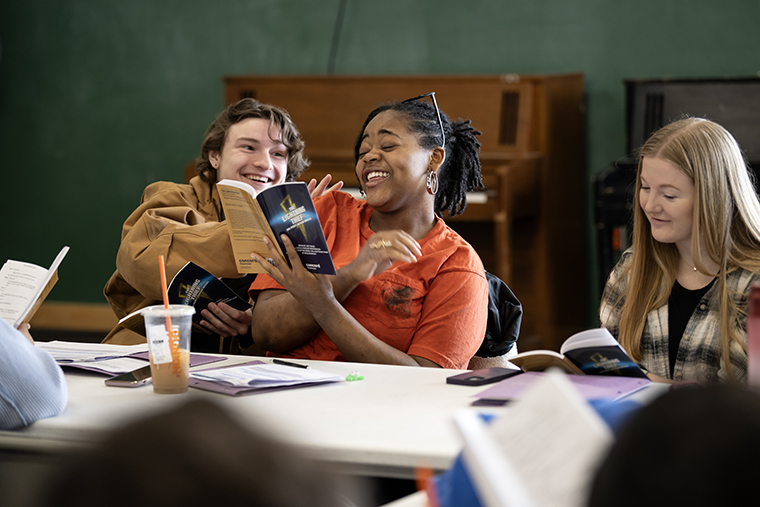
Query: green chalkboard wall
[{"x": 100, "y": 98}]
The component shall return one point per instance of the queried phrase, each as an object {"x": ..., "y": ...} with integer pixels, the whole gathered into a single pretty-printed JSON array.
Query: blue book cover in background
[
  {"x": 589, "y": 352},
  {"x": 600, "y": 360}
]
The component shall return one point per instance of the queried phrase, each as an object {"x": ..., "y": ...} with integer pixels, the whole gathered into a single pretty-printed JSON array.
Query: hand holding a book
[
  {"x": 319, "y": 298},
  {"x": 225, "y": 320},
  {"x": 297, "y": 280},
  {"x": 24, "y": 328},
  {"x": 377, "y": 255}
]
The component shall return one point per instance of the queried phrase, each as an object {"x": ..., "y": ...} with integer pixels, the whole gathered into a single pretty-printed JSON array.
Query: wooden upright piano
[{"x": 528, "y": 225}]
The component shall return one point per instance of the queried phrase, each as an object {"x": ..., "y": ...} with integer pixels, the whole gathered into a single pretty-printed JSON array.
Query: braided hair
[{"x": 460, "y": 172}]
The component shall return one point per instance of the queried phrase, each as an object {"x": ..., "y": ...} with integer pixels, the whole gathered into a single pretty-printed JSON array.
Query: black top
[{"x": 681, "y": 305}]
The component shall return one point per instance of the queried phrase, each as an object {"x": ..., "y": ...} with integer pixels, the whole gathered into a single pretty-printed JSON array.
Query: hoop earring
[{"x": 432, "y": 182}]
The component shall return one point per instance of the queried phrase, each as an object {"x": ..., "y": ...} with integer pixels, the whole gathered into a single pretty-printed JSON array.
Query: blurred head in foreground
[
  {"x": 196, "y": 455},
  {"x": 692, "y": 446}
]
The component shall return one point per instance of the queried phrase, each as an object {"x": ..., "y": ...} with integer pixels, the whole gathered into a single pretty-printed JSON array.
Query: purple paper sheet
[{"x": 591, "y": 387}]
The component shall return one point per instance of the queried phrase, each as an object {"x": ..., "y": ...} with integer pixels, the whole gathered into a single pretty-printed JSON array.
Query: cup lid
[{"x": 172, "y": 311}]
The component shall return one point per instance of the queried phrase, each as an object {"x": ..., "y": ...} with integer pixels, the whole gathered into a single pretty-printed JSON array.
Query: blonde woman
[{"x": 677, "y": 299}]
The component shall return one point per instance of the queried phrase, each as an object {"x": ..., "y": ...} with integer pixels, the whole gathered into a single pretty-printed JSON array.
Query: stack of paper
[
  {"x": 108, "y": 359},
  {"x": 257, "y": 376}
]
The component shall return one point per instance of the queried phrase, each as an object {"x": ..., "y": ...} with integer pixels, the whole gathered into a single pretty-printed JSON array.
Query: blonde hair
[{"x": 726, "y": 217}]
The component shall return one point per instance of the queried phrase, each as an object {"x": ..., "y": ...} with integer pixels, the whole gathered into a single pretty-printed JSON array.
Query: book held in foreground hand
[
  {"x": 24, "y": 286},
  {"x": 590, "y": 352},
  {"x": 192, "y": 286},
  {"x": 287, "y": 209},
  {"x": 543, "y": 450}
]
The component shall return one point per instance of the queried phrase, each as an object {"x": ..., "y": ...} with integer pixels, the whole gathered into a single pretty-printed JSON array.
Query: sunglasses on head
[{"x": 437, "y": 112}]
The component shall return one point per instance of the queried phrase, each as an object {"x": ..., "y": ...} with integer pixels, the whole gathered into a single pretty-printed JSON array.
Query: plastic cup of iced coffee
[{"x": 168, "y": 333}]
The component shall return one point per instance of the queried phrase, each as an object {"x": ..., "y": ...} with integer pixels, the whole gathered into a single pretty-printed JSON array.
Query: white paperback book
[
  {"x": 23, "y": 287},
  {"x": 543, "y": 451}
]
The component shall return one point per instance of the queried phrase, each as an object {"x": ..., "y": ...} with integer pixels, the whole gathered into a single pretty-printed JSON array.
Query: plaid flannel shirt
[{"x": 700, "y": 350}]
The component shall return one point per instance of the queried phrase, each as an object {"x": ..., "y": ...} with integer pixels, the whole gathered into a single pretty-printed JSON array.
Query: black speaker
[
  {"x": 653, "y": 103},
  {"x": 613, "y": 204},
  {"x": 732, "y": 102}
]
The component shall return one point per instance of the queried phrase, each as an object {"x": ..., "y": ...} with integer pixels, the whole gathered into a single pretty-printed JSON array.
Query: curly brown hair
[{"x": 243, "y": 109}]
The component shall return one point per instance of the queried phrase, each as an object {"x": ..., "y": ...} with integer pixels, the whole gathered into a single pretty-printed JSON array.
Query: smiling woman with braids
[{"x": 409, "y": 290}]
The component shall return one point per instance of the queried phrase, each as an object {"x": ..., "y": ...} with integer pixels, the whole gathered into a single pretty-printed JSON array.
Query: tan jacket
[{"x": 182, "y": 223}]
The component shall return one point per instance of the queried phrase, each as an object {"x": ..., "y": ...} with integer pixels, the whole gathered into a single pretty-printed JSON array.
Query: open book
[
  {"x": 24, "y": 286},
  {"x": 192, "y": 286},
  {"x": 543, "y": 450},
  {"x": 590, "y": 352},
  {"x": 287, "y": 209}
]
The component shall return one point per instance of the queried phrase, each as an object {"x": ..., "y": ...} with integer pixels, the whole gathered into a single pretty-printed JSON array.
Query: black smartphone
[
  {"x": 482, "y": 377},
  {"x": 135, "y": 378}
]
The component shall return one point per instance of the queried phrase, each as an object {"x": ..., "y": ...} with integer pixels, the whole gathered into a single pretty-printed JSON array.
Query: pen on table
[{"x": 286, "y": 363}]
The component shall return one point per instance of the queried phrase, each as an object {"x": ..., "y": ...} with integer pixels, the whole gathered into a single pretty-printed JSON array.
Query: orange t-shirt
[{"x": 435, "y": 308}]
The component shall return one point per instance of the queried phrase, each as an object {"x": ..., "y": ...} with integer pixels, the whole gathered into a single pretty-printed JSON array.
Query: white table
[{"x": 394, "y": 420}]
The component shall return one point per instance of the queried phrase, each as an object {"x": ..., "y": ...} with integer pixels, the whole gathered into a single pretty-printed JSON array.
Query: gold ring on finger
[{"x": 381, "y": 244}]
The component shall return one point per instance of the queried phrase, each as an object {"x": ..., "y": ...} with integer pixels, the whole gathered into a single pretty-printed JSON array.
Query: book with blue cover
[
  {"x": 590, "y": 352},
  {"x": 196, "y": 287},
  {"x": 287, "y": 209}
]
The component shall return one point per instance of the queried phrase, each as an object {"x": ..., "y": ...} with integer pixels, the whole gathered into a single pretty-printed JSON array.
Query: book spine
[{"x": 753, "y": 336}]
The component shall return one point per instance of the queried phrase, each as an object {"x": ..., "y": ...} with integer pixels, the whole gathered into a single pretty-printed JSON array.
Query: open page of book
[
  {"x": 24, "y": 286},
  {"x": 540, "y": 360},
  {"x": 494, "y": 476},
  {"x": 598, "y": 337},
  {"x": 248, "y": 225},
  {"x": 555, "y": 441}
]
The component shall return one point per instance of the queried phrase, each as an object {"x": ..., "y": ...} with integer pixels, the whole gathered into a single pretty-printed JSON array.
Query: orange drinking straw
[
  {"x": 163, "y": 289},
  {"x": 173, "y": 340}
]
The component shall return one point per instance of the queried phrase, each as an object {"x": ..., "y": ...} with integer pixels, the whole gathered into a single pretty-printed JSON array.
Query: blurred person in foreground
[
  {"x": 32, "y": 385},
  {"x": 197, "y": 455}
]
